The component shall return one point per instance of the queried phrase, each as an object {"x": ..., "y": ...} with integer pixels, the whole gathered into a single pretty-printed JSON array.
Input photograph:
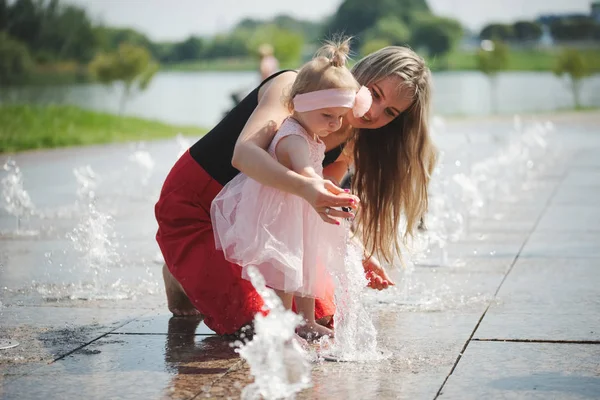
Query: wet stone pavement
[{"x": 501, "y": 299}]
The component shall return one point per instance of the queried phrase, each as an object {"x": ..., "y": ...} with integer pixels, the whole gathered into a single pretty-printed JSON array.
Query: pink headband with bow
[{"x": 359, "y": 102}]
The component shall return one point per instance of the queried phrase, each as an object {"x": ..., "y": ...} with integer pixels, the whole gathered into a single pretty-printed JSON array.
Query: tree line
[
  {"x": 561, "y": 28},
  {"x": 45, "y": 32},
  {"x": 34, "y": 33}
]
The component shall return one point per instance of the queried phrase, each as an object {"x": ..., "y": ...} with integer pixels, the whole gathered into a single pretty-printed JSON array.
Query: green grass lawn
[{"x": 25, "y": 127}]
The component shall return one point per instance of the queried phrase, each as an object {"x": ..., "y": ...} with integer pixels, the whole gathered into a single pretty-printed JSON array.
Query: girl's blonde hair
[
  {"x": 394, "y": 163},
  {"x": 327, "y": 70}
]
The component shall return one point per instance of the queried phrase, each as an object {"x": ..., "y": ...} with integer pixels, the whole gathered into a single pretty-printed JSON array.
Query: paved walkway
[{"x": 512, "y": 310}]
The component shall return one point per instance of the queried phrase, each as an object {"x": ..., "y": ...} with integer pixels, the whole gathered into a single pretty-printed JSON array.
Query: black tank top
[{"x": 214, "y": 150}]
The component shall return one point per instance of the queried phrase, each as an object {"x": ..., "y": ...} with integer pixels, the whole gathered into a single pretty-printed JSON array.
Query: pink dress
[{"x": 279, "y": 233}]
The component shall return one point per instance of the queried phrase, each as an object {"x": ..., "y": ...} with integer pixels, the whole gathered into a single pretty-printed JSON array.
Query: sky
[{"x": 172, "y": 20}]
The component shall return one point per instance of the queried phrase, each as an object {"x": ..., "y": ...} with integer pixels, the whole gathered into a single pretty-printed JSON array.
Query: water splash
[
  {"x": 414, "y": 295},
  {"x": 87, "y": 182},
  {"x": 93, "y": 253},
  {"x": 278, "y": 363},
  {"x": 184, "y": 144},
  {"x": 94, "y": 237},
  {"x": 16, "y": 199},
  {"x": 462, "y": 191},
  {"x": 6, "y": 343},
  {"x": 458, "y": 198},
  {"x": 145, "y": 161},
  {"x": 355, "y": 334}
]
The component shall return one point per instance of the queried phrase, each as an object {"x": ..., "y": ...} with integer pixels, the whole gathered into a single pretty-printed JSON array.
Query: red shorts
[{"x": 185, "y": 236}]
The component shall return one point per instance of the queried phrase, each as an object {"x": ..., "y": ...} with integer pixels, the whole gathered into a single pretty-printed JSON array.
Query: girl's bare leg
[
  {"x": 311, "y": 330},
  {"x": 286, "y": 298},
  {"x": 325, "y": 321}
]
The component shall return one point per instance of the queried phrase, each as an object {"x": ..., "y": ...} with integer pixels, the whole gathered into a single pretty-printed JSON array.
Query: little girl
[{"x": 279, "y": 233}]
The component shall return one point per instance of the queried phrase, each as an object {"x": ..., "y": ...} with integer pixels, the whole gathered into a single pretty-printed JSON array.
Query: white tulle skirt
[{"x": 278, "y": 233}]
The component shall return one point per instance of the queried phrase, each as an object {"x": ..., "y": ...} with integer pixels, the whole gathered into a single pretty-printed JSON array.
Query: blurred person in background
[{"x": 268, "y": 63}]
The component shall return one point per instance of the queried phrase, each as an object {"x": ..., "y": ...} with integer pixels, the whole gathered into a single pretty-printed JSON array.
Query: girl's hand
[
  {"x": 323, "y": 195},
  {"x": 376, "y": 275}
]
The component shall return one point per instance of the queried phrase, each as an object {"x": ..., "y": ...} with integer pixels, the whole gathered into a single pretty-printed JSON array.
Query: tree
[
  {"x": 24, "y": 21},
  {"x": 190, "y": 49},
  {"x": 15, "y": 60},
  {"x": 281, "y": 32},
  {"x": 131, "y": 65},
  {"x": 389, "y": 29},
  {"x": 109, "y": 39},
  {"x": 373, "y": 45},
  {"x": 436, "y": 35},
  {"x": 354, "y": 16},
  {"x": 3, "y": 15},
  {"x": 527, "y": 30},
  {"x": 249, "y": 24},
  {"x": 164, "y": 52},
  {"x": 570, "y": 62},
  {"x": 574, "y": 28},
  {"x": 226, "y": 46},
  {"x": 311, "y": 31},
  {"x": 491, "y": 59},
  {"x": 66, "y": 32},
  {"x": 51, "y": 30},
  {"x": 499, "y": 32}
]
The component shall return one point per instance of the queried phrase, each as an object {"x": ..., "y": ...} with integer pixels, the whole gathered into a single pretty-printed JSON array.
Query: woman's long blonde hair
[{"x": 394, "y": 163}]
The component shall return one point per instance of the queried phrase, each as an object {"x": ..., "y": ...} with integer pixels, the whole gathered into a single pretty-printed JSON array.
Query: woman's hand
[
  {"x": 376, "y": 275},
  {"x": 323, "y": 196}
]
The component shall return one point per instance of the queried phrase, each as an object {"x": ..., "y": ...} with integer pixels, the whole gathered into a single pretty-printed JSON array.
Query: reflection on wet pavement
[{"x": 511, "y": 254}]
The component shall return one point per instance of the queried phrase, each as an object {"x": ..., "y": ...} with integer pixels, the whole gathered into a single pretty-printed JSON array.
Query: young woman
[{"x": 389, "y": 148}]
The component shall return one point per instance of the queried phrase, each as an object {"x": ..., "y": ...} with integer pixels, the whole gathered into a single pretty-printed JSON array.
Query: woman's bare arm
[
  {"x": 339, "y": 168},
  {"x": 336, "y": 171},
  {"x": 249, "y": 154},
  {"x": 251, "y": 158}
]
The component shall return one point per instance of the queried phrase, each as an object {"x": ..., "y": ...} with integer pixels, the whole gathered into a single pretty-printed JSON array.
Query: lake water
[{"x": 201, "y": 98}]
